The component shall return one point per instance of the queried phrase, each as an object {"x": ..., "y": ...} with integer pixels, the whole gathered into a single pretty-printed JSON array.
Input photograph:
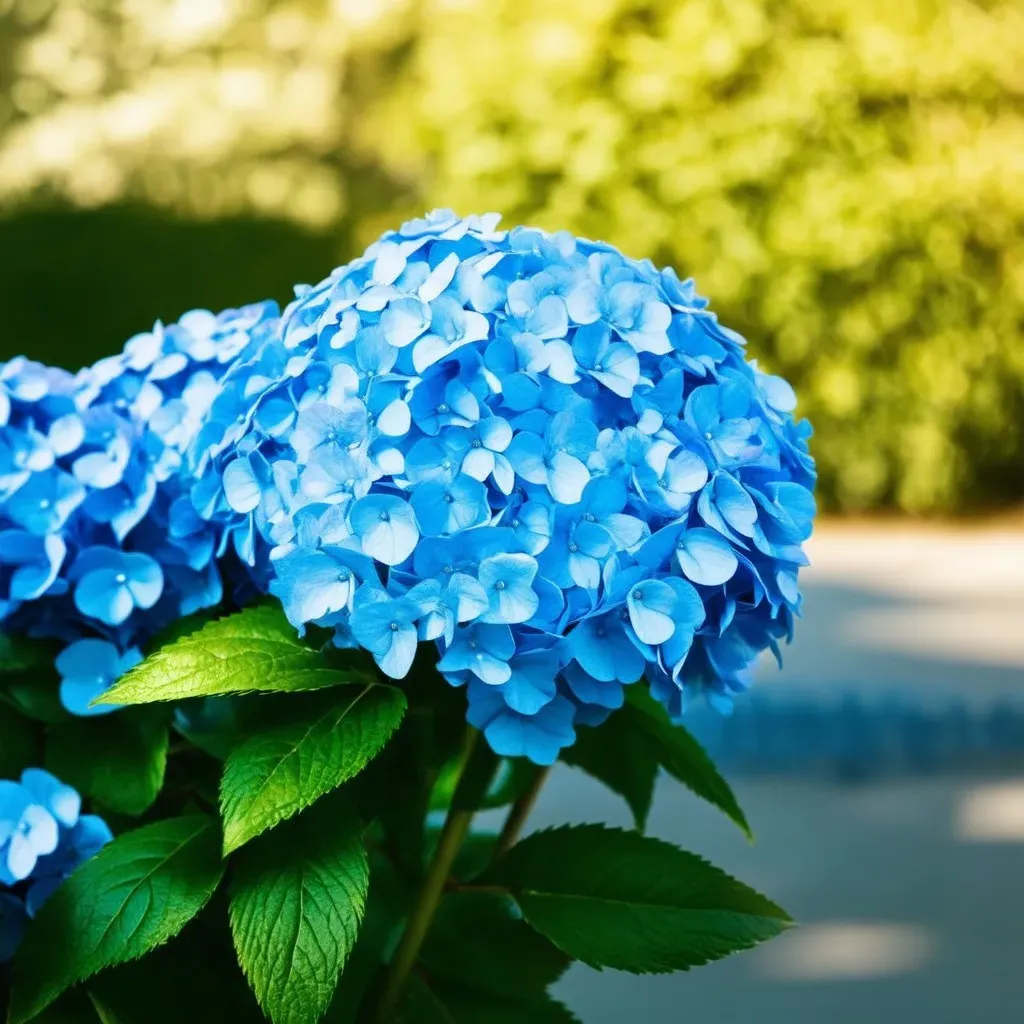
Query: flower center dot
[
  {"x": 500, "y": 585},
  {"x": 574, "y": 547},
  {"x": 44, "y": 502},
  {"x": 478, "y": 443},
  {"x": 590, "y": 517},
  {"x": 394, "y": 627},
  {"x": 707, "y": 435},
  {"x": 385, "y": 517},
  {"x": 343, "y": 576},
  {"x": 515, "y": 524},
  {"x": 443, "y": 408},
  {"x": 448, "y": 499},
  {"x": 121, "y": 578},
  {"x": 638, "y": 595}
]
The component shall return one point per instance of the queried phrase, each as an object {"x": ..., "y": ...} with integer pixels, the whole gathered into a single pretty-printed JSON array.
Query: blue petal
[
  {"x": 706, "y": 557},
  {"x": 507, "y": 580},
  {"x": 566, "y": 478},
  {"x": 651, "y": 604},
  {"x": 386, "y": 527},
  {"x": 526, "y": 453},
  {"x": 102, "y": 595},
  {"x": 241, "y": 487},
  {"x": 60, "y": 800}
]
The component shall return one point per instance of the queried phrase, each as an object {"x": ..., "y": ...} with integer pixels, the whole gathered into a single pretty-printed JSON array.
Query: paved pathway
[{"x": 910, "y": 891}]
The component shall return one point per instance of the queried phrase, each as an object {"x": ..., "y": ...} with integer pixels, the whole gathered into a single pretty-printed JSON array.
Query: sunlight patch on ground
[
  {"x": 992, "y": 813},
  {"x": 845, "y": 951}
]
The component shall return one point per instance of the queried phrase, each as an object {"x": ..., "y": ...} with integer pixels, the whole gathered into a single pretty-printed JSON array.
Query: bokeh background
[{"x": 845, "y": 179}]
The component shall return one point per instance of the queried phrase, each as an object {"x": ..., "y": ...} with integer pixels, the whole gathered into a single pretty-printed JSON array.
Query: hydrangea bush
[{"x": 502, "y": 476}]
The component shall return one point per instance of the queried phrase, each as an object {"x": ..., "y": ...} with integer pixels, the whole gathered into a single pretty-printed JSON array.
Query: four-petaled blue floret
[{"x": 546, "y": 458}]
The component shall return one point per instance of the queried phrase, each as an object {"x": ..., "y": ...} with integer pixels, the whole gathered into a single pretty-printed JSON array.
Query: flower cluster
[
  {"x": 43, "y": 838},
  {"x": 547, "y": 458},
  {"x": 99, "y": 542}
]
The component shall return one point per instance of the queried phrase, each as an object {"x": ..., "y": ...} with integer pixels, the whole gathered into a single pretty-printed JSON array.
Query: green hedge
[{"x": 844, "y": 177}]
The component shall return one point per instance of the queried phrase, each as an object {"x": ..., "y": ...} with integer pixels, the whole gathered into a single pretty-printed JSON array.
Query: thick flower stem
[
  {"x": 519, "y": 812},
  {"x": 473, "y": 782}
]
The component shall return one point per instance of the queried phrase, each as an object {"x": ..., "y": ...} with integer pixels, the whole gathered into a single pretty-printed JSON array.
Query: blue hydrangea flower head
[
  {"x": 99, "y": 541},
  {"x": 43, "y": 838},
  {"x": 546, "y": 458}
]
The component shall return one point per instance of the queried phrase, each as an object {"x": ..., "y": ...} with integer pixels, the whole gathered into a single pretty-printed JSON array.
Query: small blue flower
[
  {"x": 387, "y": 629},
  {"x": 326, "y": 426},
  {"x": 447, "y": 507},
  {"x": 313, "y": 584},
  {"x": 111, "y": 584},
  {"x": 533, "y": 682},
  {"x": 615, "y": 364},
  {"x": 483, "y": 650},
  {"x": 451, "y": 327},
  {"x": 603, "y": 649},
  {"x": 508, "y": 583},
  {"x": 386, "y": 527},
  {"x": 719, "y": 414},
  {"x": 87, "y": 669},
  {"x": 481, "y": 449},
  {"x": 558, "y": 460},
  {"x": 28, "y": 831},
  {"x": 29, "y": 564},
  {"x": 43, "y": 504},
  {"x": 539, "y": 737}
]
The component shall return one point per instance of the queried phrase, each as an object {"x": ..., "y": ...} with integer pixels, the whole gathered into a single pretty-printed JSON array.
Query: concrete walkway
[{"x": 910, "y": 891}]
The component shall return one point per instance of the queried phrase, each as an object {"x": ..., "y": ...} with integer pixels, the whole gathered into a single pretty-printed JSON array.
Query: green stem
[
  {"x": 519, "y": 812},
  {"x": 474, "y": 779}
]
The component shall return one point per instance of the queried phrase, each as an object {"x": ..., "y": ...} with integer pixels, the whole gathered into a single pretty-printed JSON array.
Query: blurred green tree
[{"x": 843, "y": 177}]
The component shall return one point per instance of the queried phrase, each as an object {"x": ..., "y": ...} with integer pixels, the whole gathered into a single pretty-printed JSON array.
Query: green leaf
[
  {"x": 73, "y": 1007},
  {"x": 475, "y": 938},
  {"x": 481, "y": 964},
  {"x": 619, "y": 754},
  {"x": 298, "y": 757},
  {"x": 387, "y": 907},
  {"x": 297, "y": 902},
  {"x": 17, "y": 742},
  {"x": 22, "y": 654},
  {"x": 682, "y": 756},
  {"x": 255, "y": 650},
  {"x": 118, "y": 760},
  {"x": 197, "y": 974},
  {"x": 619, "y": 899},
  {"x": 34, "y": 689},
  {"x": 136, "y": 893}
]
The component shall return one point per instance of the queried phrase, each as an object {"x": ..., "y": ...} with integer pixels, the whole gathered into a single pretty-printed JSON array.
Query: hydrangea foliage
[
  {"x": 43, "y": 838},
  {"x": 99, "y": 543},
  {"x": 547, "y": 458}
]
